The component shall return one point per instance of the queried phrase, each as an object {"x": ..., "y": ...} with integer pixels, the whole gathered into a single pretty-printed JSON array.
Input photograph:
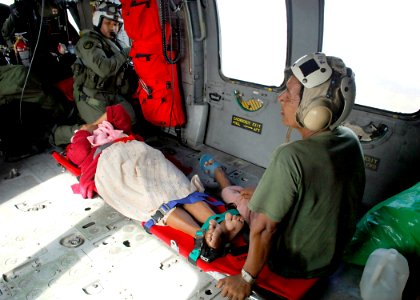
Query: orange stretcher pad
[{"x": 289, "y": 288}]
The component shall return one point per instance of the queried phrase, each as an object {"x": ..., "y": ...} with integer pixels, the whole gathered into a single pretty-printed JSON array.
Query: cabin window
[
  {"x": 253, "y": 43},
  {"x": 378, "y": 40}
]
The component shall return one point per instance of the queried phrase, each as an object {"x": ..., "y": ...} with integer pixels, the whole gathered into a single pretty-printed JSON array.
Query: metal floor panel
[{"x": 56, "y": 245}]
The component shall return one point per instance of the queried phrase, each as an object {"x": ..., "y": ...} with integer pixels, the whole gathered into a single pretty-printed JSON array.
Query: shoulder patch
[{"x": 88, "y": 45}]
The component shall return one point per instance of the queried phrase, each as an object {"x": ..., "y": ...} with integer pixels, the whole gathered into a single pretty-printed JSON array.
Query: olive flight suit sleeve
[
  {"x": 91, "y": 51},
  {"x": 7, "y": 31}
]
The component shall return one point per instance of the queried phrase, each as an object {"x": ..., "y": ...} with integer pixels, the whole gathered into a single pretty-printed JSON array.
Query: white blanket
[{"x": 135, "y": 179}]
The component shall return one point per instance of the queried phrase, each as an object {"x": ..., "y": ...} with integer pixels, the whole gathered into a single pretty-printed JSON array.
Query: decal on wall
[
  {"x": 247, "y": 124},
  {"x": 250, "y": 104},
  {"x": 371, "y": 163}
]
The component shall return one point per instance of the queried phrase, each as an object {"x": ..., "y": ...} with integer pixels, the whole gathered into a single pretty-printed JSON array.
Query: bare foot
[
  {"x": 232, "y": 225},
  {"x": 214, "y": 235},
  {"x": 218, "y": 233}
]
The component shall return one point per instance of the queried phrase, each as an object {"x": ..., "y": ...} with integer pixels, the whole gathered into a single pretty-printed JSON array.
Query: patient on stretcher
[{"x": 136, "y": 179}]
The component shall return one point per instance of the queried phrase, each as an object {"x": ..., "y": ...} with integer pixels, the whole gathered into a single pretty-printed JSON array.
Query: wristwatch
[{"x": 247, "y": 277}]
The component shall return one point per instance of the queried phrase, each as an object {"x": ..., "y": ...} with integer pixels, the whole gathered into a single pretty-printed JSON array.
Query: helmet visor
[{"x": 110, "y": 10}]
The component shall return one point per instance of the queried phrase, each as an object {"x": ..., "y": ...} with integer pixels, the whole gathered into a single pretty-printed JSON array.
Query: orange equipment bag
[{"x": 159, "y": 94}]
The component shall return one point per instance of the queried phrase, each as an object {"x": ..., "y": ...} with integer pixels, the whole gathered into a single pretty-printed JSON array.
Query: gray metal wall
[{"x": 392, "y": 160}]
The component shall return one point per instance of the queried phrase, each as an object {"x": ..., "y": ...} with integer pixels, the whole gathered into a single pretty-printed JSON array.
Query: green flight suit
[
  {"x": 99, "y": 80},
  {"x": 12, "y": 79}
]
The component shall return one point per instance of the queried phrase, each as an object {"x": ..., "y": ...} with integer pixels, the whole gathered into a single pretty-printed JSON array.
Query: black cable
[
  {"x": 163, "y": 5},
  {"x": 30, "y": 63}
]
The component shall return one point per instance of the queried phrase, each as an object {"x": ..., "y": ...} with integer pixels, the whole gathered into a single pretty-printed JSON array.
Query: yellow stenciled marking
[
  {"x": 247, "y": 124},
  {"x": 248, "y": 105}
]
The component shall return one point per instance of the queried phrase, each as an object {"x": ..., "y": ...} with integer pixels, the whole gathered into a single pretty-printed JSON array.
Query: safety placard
[
  {"x": 371, "y": 163},
  {"x": 247, "y": 124}
]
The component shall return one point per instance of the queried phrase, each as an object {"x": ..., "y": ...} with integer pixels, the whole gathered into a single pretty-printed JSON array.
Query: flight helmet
[
  {"x": 108, "y": 9},
  {"x": 328, "y": 93}
]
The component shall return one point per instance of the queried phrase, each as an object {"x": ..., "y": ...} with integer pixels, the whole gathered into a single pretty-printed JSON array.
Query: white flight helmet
[
  {"x": 110, "y": 10},
  {"x": 328, "y": 94}
]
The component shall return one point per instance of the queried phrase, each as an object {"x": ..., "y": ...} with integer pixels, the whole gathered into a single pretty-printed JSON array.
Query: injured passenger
[{"x": 140, "y": 183}]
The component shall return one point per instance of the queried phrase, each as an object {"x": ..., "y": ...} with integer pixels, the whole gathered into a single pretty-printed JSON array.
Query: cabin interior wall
[
  {"x": 391, "y": 159},
  {"x": 192, "y": 74},
  {"x": 227, "y": 127},
  {"x": 214, "y": 127}
]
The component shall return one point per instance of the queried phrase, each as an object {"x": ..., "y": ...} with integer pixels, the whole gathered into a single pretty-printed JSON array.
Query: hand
[
  {"x": 234, "y": 287},
  {"x": 88, "y": 127},
  {"x": 87, "y": 190},
  {"x": 247, "y": 192}
]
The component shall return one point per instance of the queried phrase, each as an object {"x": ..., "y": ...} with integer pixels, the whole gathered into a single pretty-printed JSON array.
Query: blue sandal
[{"x": 209, "y": 169}]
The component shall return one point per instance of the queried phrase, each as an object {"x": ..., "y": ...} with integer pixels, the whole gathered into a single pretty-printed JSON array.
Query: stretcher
[{"x": 229, "y": 264}]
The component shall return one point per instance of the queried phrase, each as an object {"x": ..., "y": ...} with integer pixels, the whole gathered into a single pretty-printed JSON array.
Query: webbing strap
[
  {"x": 198, "y": 245},
  {"x": 199, "y": 235},
  {"x": 166, "y": 207},
  {"x": 219, "y": 218}
]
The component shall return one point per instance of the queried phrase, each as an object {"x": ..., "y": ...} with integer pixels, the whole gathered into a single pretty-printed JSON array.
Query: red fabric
[
  {"x": 161, "y": 101},
  {"x": 79, "y": 148},
  {"x": 66, "y": 87},
  {"x": 178, "y": 164},
  {"x": 81, "y": 152},
  {"x": 137, "y": 13},
  {"x": 119, "y": 118},
  {"x": 67, "y": 164},
  {"x": 290, "y": 288},
  {"x": 86, "y": 186},
  {"x": 161, "y": 104}
]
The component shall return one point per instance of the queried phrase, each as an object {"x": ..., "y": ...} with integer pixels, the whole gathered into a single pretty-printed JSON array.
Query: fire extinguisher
[{"x": 22, "y": 50}]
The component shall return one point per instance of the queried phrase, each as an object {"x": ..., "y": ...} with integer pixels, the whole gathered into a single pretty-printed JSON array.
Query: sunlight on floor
[{"x": 57, "y": 245}]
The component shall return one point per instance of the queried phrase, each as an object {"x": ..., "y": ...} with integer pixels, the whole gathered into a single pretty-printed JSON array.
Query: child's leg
[
  {"x": 221, "y": 178},
  {"x": 188, "y": 217},
  {"x": 183, "y": 221},
  {"x": 200, "y": 210},
  {"x": 232, "y": 194}
]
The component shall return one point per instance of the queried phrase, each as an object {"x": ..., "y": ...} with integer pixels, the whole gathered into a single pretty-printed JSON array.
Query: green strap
[
  {"x": 198, "y": 244},
  {"x": 219, "y": 218},
  {"x": 199, "y": 235}
]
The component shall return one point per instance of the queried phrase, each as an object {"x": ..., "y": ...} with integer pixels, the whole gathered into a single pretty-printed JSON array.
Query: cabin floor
[{"x": 57, "y": 245}]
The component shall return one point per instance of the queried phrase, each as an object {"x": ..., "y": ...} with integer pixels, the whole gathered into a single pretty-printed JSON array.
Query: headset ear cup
[
  {"x": 348, "y": 95},
  {"x": 317, "y": 115}
]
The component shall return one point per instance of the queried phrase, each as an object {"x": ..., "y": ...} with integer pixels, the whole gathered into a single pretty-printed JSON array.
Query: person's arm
[
  {"x": 247, "y": 192},
  {"x": 261, "y": 235},
  {"x": 92, "y": 126},
  {"x": 8, "y": 30},
  {"x": 93, "y": 56}
]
